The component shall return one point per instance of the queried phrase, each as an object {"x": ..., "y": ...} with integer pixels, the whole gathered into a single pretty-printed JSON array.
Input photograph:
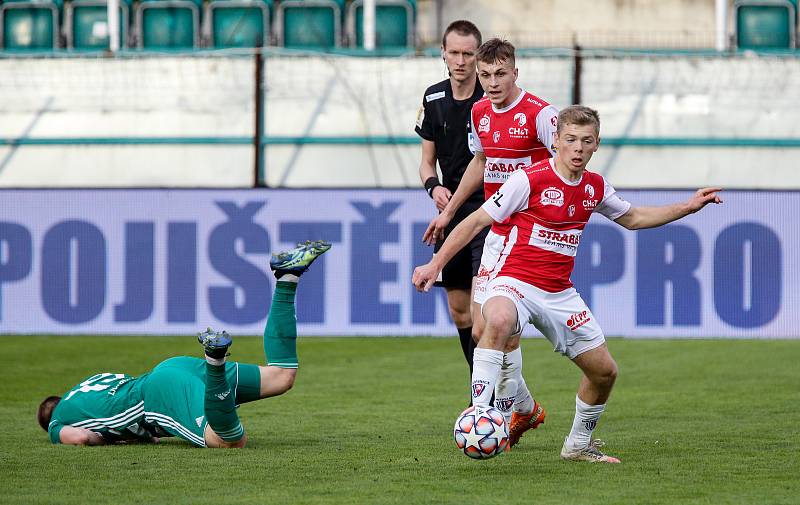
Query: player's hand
[
  {"x": 703, "y": 197},
  {"x": 424, "y": 276},
  {"x": 436, "y": 228},
  {"x": 441, "y": 195}
]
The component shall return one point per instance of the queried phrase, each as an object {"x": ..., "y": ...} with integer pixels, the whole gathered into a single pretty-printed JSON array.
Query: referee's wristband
[{"x": 430, "y": 183}]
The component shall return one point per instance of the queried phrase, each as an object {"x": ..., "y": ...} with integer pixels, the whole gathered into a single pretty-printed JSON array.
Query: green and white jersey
[{"x": 110, "y": 404}]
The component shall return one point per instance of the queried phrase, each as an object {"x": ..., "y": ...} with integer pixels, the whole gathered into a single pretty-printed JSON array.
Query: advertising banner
[{"x": 175, "y": 261}]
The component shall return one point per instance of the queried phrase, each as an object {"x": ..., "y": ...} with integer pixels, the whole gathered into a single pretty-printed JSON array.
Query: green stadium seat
[
  {"x": 167, "y": 24},
  {"x": 309, "y": 24},
  {"x": 394, "y": 23},
  {"x": 237, "y": 23},
  {"x": 86, "y": 24},
  {"x": 765, "y": 24},
  {"x": 29, "y": 26}
]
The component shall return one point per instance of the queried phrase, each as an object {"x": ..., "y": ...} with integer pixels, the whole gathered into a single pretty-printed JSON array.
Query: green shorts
[{"x": 174, "y": 395}]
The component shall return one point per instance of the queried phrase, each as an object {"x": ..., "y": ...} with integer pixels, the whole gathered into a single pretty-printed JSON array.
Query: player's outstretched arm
[
  {"x": 71, "y": 435},
  {"x": 638, "y": 218},
  {"x": 470, "y": 182},
  {"x": 424, "y": 276}
]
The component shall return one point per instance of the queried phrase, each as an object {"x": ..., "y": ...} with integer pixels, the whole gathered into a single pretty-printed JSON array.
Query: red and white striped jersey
[
  {"x": 515, "y": 136},
  {"x": 546, "y": 215}
]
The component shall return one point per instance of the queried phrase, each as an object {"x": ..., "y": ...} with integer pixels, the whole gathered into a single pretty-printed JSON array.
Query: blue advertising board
[{"x": 175, "y": 261}]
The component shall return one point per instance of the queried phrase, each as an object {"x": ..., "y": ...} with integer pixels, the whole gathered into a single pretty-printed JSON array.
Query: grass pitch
[{"x": 370, "y": 421}]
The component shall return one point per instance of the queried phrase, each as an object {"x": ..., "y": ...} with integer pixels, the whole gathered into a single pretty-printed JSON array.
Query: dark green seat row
[
  {"x": 168, "y": 24},
  {"x": 765, "y": 24}
]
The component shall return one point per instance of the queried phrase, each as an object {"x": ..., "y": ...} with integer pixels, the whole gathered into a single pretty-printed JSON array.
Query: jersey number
[{"x": 97, "y": 382}]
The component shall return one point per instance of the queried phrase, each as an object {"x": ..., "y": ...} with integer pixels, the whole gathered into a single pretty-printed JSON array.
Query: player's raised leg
[
  {"x": 600, "y": 372},
  {"x": 224, "y": 428},
  {"x": 280, "y": 334}
]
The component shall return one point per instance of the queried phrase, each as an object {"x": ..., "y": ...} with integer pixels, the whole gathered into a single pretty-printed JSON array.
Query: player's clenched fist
[{"x": 424, "y": 277}]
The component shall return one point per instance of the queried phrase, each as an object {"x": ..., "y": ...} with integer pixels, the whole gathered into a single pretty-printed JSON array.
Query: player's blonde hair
[
  {"x": 496, "y": 50},
  {"x": 580, "y": 115}
]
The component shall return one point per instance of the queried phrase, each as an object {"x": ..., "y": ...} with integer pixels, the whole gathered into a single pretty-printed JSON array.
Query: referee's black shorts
[{"x": 458, "y": 273}]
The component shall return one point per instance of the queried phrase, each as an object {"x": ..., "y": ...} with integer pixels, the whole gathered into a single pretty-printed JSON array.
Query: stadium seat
[
  {"x": 394, "y": 23},
  {"x": 309, "y": 24},
  {"x": 237, "y": 23},
  {"x": 765, "y": 24},
  {"x": 29, "y": 26},
  {"x": 167, "y": 24},
  {"x": 86, "y": 24}
]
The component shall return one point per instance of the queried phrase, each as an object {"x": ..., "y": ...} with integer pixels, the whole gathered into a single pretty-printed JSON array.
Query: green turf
[{"x": 369, "y": 421}]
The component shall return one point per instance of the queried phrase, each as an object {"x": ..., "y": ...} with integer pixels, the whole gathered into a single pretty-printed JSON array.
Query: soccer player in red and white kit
[
  {"x": 547, "y": 205},
  {"x": 511, "y": 128}
]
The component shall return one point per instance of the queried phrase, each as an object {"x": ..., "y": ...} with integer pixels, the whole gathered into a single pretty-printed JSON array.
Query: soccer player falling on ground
[
  {"x": 511, "y": 128},
  {"x": 547, "y": 205},
  {"x": 187, "y": 397},
  {"x": 444, "y": 124}
]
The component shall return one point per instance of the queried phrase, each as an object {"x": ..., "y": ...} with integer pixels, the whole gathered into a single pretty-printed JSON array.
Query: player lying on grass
[
  {"x": 186, "y": 397},
  {"x": 547, "y": 205}
]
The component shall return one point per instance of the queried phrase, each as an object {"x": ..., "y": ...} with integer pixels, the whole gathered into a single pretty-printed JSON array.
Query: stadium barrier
[
  {"x": 675, "y": 120},
  {"x": 174, "y": 261}
]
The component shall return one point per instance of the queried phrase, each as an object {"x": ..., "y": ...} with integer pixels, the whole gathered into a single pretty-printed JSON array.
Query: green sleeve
[{"x": 54, "y": 430}]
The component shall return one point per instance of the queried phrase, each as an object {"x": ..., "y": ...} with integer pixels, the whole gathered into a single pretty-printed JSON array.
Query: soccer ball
[{"x": 481, "y": 433}]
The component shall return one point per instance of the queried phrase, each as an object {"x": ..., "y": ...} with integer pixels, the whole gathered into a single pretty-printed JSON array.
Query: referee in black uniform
[{"x": 443, "y": 123}]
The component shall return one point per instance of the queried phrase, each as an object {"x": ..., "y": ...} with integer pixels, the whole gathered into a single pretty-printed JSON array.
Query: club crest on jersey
[
  {"x": 571, "y": 210},
  {"x": 552, "y": 196},
  {"x": 483, "y": 125},
  {"x": 496, "y": 137},
  {"x": 520, "y": 118},
  {"x": 589, "y": 190}
]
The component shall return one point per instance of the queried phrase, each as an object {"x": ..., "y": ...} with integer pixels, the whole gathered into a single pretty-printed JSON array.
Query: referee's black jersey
[{"x": 446, "y": 122}]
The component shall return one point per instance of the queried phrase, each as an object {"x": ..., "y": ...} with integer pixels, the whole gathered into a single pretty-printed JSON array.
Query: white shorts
[
  {"x": 491, "y": 261},
  {"x": 562, "y": 317}
]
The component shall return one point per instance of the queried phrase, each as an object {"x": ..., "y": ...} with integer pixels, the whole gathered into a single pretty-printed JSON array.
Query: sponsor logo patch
[
  {"x": 434, "y": 96},
  {"x": 478, "y": 387},
  {"x": 560, "y": 241},
  {"x": 578, "y": 319},
  {"x": 498, "y": 169},
  {"x": 420, "y": 116},
  {"x": 552, "y": 196},
  {"x": 511, "y": 290}
]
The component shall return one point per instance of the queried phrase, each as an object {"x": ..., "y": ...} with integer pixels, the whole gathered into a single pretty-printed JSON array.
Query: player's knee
[
  {"x": 461, "y": 318},
  {"x": 503, "y": 322},
  {"x": 607, "y": 375}
]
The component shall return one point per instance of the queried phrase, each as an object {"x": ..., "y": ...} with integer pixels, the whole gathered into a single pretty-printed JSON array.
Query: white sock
[
  {"x": 523, "y": 400},
  {"x": 486, "y": 364},
  {"x": 215, "y": 361},
  {"x": 505, "y": 391},
  {"x": 586, "y": 417},
  {"x": 289, "y": 278}
]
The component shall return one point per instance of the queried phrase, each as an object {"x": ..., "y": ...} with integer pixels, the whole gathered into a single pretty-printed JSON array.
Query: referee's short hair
[
  {"x": 463, "y": 28},
  {"x": 496, "y": 50}
]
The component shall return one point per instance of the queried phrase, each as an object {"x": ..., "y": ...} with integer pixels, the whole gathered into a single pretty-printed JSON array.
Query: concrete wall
[{"x": 620, "y": 23}]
